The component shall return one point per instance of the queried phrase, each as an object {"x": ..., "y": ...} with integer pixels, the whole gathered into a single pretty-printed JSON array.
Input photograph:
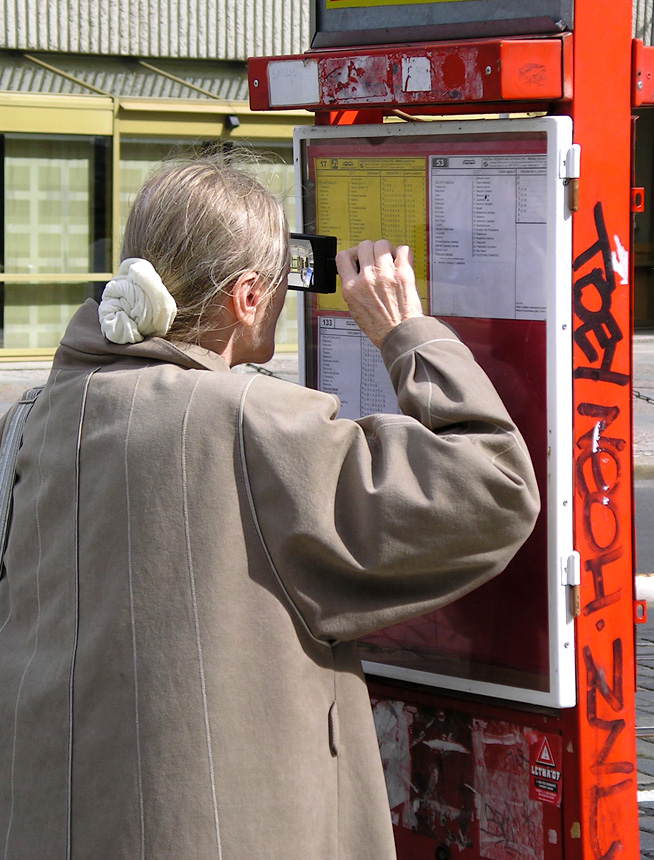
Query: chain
[
  {"x": 258, "y": 369},
  {"x": 643, "y": 397},
  {"x": 264, "y": 370}
]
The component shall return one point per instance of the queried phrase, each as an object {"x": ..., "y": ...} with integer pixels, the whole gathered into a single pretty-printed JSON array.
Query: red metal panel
[
  {"x": 600, "y": 810},
  {"x": 642, "y": 77},
  {"x": 394, "y": 76},
  {"x": 469, "y": 779},
  {"x": 348, "y": 117},
  {"x": 568, "y": 66},
  {"x": 531, "y": 67}
]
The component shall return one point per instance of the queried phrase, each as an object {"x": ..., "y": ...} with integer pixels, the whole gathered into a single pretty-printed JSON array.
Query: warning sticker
[{"x": 545, "y": 768}]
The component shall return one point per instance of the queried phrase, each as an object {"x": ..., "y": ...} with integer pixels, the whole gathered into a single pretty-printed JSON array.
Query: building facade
[{"x": 92, "y": 96}]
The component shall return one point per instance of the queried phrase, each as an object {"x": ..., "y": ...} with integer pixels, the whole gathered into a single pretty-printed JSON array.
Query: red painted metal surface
[
  {"x": 467, "y": 778},
  {"x": 600, "y": 809},
  {"x": 638, "y": 199},
  {"x": 348, "y": 117},
  {"x": 642, "y": 78},
  {"x": 530, "y": 66},
  {"x": 405, "y": 76}
]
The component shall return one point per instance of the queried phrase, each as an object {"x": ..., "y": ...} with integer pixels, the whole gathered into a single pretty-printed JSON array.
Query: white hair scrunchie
[{"x": 135, "y": 304}]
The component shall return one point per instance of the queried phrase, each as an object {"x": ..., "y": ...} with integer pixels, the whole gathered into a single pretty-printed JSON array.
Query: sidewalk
[
  {"x": 643, "y": 370},
  {"x": 645, "y": 728}
]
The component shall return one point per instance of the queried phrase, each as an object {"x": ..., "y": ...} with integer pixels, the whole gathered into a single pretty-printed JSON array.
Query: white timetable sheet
[
  {"x": 488, "y": 235},
  {"x": 351, "y": 367}
]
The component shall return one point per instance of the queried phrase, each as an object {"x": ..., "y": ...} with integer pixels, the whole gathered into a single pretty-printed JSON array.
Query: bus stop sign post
[{"x": 476, "y": 775}]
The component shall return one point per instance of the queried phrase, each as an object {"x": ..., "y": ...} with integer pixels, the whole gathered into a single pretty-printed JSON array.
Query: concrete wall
[{"x": 194, "y": 29}]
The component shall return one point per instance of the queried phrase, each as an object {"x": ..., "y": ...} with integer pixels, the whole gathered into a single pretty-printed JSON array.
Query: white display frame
[{"x": 561, "y": 566}]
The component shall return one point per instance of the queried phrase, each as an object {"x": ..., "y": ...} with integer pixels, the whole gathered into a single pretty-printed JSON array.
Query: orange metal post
[
  {"x": 600, "y": 806},
  {"x": 586, "y": 74}
]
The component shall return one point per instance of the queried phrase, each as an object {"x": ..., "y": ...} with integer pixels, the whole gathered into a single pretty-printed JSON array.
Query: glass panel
[
  {"x": 137, "y": 160},
  {"x": 139, "y": 157},
  {"x": 56, "y": 204},
  {"x": 35, "y": 315},
  {"x": 280, "y": 180}
]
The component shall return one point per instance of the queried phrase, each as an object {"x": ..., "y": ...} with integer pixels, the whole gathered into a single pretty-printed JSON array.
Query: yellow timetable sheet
[{"x": 373, "y": 198}]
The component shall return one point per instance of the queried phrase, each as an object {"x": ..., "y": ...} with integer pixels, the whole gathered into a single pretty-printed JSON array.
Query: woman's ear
[{"x": 246, "y": 295}]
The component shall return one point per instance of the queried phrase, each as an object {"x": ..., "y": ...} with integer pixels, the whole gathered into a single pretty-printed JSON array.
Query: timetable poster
[
  {"x": 473, "y": 211},
  {"x": 488, "y": 235},
  {"x": 474, "y": 216}
]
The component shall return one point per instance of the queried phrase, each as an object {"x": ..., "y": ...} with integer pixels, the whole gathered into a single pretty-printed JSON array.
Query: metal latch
[
  {"x": 571, "y": 171},
  {"x": 572, "y": 571}
]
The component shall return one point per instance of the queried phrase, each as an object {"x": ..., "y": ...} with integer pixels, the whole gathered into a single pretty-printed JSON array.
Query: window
[
  {"x": 78, "y": 135},
  {"x": 138, "y": 157},
  {"x": 57, "y": 224},
  {"x": 56, "y": 233}
]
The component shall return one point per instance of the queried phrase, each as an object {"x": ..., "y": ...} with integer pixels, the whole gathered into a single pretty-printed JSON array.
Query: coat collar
[{"x": 84, "y": 343}]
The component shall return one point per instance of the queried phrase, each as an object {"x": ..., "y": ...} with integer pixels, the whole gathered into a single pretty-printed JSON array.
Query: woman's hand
[{"x": 379, "y": 287}]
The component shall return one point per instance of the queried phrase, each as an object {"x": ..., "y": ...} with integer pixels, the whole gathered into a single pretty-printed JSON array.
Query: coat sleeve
[{"x": 370, "y": 522}]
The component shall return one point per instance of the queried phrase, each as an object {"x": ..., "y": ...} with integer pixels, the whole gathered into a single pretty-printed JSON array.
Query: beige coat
[{"x": 191, "y": 555}]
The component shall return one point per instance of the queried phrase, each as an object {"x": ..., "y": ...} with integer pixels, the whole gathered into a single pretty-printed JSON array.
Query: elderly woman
[{"x": 193, "y": 552}]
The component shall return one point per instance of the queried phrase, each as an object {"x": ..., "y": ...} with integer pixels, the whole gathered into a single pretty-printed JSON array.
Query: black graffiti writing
[
  {"x": 597, "y": 795},
  {"x": 598, "y": 473},
  {"x": 596, "y": 482},
  {"x": 601, "y": 514},
  {"x": 612, "y": 694},
  {"x": 596, "y": 566},
  {"x": 504, "y": 825},
  {"x": 597, "y": 448},
  {"x": 599, "y": 333}
]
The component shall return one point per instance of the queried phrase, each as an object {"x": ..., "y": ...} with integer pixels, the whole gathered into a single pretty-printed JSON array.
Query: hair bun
[{"x": 135, "y": 304}]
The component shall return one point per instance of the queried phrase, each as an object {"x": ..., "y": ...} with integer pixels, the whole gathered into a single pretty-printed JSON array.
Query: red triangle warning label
[
  {"x": 545, "y": 783},
  {"x": 545, "y": 756}
]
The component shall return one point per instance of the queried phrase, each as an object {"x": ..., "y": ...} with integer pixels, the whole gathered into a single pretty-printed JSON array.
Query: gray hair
[{"x": 202, "y": 222}]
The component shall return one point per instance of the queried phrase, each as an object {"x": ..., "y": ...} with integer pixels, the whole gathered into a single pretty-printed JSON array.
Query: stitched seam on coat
[
  {"x": 507, "y": 449},
  {"x": 13, "y": 430},
  {"x": 379, "y": 425},
  {"x": 132, "y": 619},
  {"x": 337, "y": 763},
  {"x": 420, "y": 345},
  {"x": 429, "y": 383},
  {"x": 255, "y": 519},
  {"x": 397, "y": 422},
  {"x": 196, "y": 620},
  {"x": 8, "y": 618},
  {"x": 73, "y": 656},
  {"x": 520, "y": 444},
  {"x": 36, "y": 628}
]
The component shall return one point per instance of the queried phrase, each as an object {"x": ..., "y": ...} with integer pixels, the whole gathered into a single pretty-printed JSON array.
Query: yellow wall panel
[{"x": 50, "y": 115}]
